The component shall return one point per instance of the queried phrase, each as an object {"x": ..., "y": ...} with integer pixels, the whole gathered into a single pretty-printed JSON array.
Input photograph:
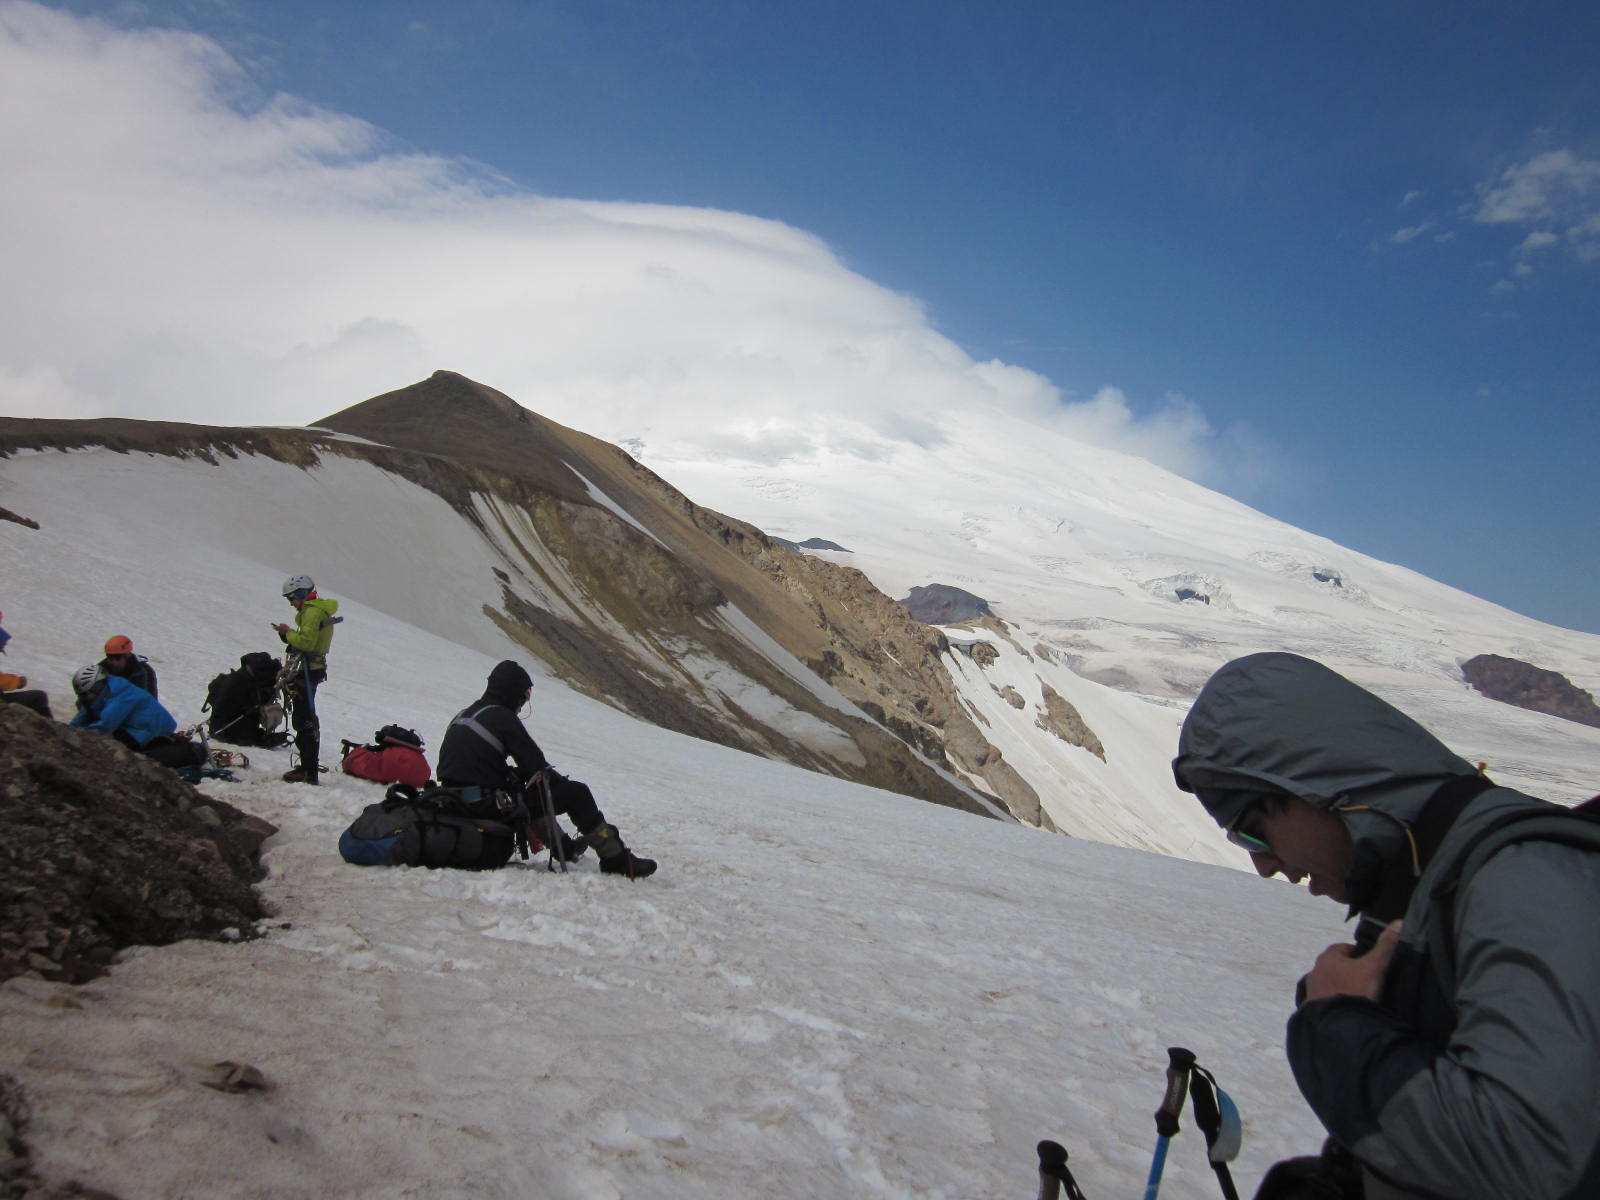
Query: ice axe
[{"x": 558, "y": 852}]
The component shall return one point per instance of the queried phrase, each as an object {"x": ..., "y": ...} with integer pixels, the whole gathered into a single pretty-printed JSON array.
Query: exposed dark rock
[
  {"x": 810, "y": 544},
  {"x": 942, "y": 604},
  {"x": 1012, "y": 697},
  {"x": 1512, "y": 681},
  {"x": 1184, "y": 593},
  {"x": 100, "y": 848},
  {"x": 7, "y": 515}
]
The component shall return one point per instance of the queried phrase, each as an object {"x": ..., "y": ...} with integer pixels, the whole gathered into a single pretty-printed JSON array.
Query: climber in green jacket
[{"x": 306, "y": 662}]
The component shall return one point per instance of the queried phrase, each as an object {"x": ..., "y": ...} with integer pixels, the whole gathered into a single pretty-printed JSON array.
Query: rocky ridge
[{"x": 1512, "y": 681}]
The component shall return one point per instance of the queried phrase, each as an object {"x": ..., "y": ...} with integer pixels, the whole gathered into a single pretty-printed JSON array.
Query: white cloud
[
  {"x": 179, "y": 246},
  {"x": 1553, "y": 187},
  {"x": 1410, "y": 233},
  {"x": 1583, "y": 237}
]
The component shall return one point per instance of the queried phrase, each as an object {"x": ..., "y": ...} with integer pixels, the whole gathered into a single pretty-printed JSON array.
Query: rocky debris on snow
[
  {"x": 1512, "y": 681},
  {"x": 1061, "y": 718},
  {"x": 943, "y": 604},
  {"x": 100, "y": 848},
  {"x": 982, "y": 653},
  {"x": 1012, "y": 697},
  {"x": 18, "y": 1181},
  {"x": 236, "y": 1079}
]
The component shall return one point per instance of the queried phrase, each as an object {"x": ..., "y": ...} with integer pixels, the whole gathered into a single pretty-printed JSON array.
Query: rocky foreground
[{"x": 101, "y": 849}]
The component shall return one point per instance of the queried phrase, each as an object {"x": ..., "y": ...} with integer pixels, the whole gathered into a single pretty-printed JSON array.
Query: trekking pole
[
  {"x": 1053, "y": 1173},
  {"x": 558, "y": 853},
  {"x": 1218, "y": 1118},
  {"x": 1180, "y": 1063}
]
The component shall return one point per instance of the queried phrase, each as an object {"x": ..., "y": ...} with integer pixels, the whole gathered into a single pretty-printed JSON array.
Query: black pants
[
  {"x": 302, "y": 697},
  {"x": 175, "y": 752},
  {"x": 567, "y": 796},
  {"x": 38, "y": 701},
  {"x": 168, "y": 751}
]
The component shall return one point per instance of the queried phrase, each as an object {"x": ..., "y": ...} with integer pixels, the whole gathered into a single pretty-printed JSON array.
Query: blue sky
[{"x": 1361, "y": 241}]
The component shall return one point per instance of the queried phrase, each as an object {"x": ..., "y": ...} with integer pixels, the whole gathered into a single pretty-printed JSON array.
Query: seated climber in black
[{"x": 483, "y": 735}]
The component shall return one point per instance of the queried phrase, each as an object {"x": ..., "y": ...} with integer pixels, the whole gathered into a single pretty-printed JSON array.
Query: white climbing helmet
[
  {"x": 86, "y": 679},
  {"x": 298, "y": 583}
]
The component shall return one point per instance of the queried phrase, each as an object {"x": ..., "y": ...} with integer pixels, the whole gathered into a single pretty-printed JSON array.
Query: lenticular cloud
[{"x": 187, "y": 247}]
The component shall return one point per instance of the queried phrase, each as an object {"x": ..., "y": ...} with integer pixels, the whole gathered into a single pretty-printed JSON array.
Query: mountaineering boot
[
  {"x": 615, "y": 858},
  {"x": 304, "y": 773}
]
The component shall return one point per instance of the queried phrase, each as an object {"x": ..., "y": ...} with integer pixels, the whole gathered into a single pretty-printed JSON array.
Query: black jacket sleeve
[{"x": 519, "y": 743}]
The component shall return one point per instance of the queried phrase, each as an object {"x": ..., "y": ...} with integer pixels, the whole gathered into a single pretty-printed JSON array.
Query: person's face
[
  {"x": 1303, "y": 842},
  {"x": 118, "y": 660}
]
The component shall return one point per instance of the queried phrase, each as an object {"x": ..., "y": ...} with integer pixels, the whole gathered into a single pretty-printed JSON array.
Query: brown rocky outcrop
[
  {"x": 659, "y": 580},
  {"x": 100, "y": 848},
  {"x": 1062, "y": 718},
  {"x": 627, "y": 598},
  {"x": 1512, "y": 681}
]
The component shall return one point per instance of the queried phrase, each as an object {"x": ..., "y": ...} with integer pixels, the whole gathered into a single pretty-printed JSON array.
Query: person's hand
[
  {"x": 280, "y": 627},
  {"x": 1339, "y": 973}
]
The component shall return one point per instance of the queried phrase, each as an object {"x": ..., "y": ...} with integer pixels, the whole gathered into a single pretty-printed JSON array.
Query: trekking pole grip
[
  {"x": 1180, "y": 1063},
  {"x": 1052, "y": 1158}
]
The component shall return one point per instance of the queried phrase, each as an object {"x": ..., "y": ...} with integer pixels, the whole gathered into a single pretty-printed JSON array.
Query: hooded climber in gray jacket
[{"x": 1459, "y": 1057}]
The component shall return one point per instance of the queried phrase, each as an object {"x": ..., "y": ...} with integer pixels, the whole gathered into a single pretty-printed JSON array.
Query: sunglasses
[{"x": 1243, "y": 838}]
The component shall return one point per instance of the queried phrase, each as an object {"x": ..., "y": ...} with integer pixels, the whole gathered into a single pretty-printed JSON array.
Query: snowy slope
[
  {"x": 827, "y": 991},
  {"x": 1082, "y": 551}
]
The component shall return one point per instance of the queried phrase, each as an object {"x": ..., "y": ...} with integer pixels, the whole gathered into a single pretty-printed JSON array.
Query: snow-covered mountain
[
  {"x": 1122, "y": 587},
  {"x": 829, "y": 989},
  {"x": 1117, "y": 588}
]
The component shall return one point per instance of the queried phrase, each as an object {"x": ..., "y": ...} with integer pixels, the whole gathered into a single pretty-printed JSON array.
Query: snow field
[{"x": 827, "y": 990}]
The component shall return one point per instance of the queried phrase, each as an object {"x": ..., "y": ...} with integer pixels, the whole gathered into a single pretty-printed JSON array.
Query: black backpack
[
  {"x": 235, "y": 700},
  {"x": 434, "y": 828},
  {"x": 397, "y": 735}
]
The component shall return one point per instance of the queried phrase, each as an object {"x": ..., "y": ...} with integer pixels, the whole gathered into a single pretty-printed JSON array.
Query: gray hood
[{"x": 1281, "y": 722}]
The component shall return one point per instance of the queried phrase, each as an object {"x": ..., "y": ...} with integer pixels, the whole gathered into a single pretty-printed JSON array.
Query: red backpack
[{"x": 394, "y": 757}]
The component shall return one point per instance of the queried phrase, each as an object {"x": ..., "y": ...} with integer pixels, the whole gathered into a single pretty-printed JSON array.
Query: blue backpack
[{"x": 432, "y": 828}]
